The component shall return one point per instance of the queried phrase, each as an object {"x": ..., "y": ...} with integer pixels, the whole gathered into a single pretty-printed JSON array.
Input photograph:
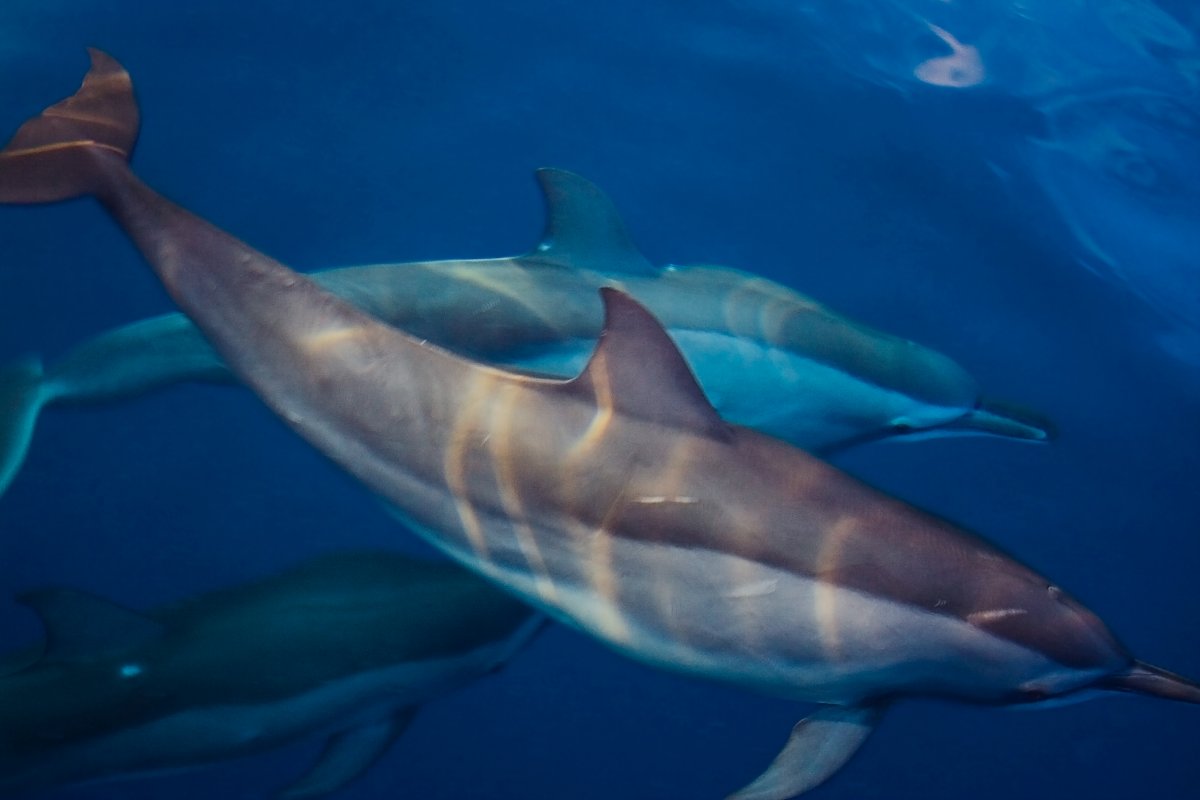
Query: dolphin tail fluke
[
  {"x": 1149, "y": 680},
  {"x": 819, "y": 746},
  {"x": 21, "y": 398},
  {"x": 62, "y": 152}
]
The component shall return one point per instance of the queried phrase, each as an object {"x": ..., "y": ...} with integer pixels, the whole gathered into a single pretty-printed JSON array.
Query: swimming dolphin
[
  {"x": 766, "y": 356},
  {"x": 617, "y": 501},
  {"x": 347, "y": 645}
]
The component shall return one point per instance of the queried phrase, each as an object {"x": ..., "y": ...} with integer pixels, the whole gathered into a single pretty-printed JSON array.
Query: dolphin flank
[
  {"x": 347, "y": 646},
  {"x": 766, "y": 356},
  {"x": 617, "y": 501}
]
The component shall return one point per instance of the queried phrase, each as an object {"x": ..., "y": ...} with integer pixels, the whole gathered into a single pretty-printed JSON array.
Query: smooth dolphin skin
[
  {"x": 347, "y": 646},
  {"x": 766, "y": 356},
  {"x": 617, "y": 501}
]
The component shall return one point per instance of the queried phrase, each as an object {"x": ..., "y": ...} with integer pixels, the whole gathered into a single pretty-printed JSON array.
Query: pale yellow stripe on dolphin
[
  {"x": 773, "y": 317},
  {"x": 464, "y": 434},
  {"x": 611, "y": 620},
  {"x": 320, "y": 342},
  {"x": 668, "y": 483},
  {"x": 825, "y": 590},
  {"x": 596, "y": 561},
  {"x": 594, "y": 433},
  {"x": 49, "y": 148},
  {"x": 667, "y": 486},
  {"x": 520, "y": 287},
  {"x": 769, "y": 309},
  {"x": 500, "y": 446},
  {"x": 743, "y": 597}
]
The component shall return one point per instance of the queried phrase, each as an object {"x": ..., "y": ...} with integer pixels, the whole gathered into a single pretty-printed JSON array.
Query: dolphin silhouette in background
[
  {"x": 766, "y": 356},
  {"x": 347, "y": 645},
  {"x": 617, "y": 501}
]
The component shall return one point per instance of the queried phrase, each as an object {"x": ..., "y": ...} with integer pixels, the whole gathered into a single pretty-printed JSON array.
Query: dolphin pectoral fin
[
  {"x": 21, "y": 399},
  {"x": 347, "y": 755},
  {"x": 583, "y": 228},
  {"x": 819, "y": 746},
  {"x": 993, "y": 418}
]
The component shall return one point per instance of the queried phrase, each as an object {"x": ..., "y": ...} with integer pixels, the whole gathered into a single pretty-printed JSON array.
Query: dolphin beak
[
  {"x": 1002, "y": 419},
  {"x": 1147, "y": 679}
]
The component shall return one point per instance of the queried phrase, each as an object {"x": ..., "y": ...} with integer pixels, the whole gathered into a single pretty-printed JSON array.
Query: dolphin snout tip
[
  {"x": 1009, "y": 421},
  {"x": 1151, "y": 681}
]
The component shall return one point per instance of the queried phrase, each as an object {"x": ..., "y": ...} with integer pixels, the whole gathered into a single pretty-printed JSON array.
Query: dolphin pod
[
  {"x": 617, "y": 501},
  {"x": 766, "y": 356},
  {"x": 347, "y": 645}
]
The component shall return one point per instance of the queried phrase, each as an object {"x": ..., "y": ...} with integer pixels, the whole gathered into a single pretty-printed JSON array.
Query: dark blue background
[{"x": 387, "y": 131}]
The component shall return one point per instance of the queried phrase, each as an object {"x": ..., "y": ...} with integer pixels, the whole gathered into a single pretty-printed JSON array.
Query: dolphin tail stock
[
  {"x": 21, "y": 398},
  {"x": 1147, "y": 679},
  {"x": 64, "y": 151},
  {"x": 819, "y": 746}
]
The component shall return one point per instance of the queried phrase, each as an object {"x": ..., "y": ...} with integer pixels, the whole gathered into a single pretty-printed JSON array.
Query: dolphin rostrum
[
  {"x": 617, "y": 501},
  {"x": 347, "y": 645},
  {"x": 766, "y": 356}
]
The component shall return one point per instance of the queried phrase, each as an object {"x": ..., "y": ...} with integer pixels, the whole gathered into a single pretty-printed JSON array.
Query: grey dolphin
[
  {"x": 767, "y": 356},
  {"x": 347, "y": 645},
  {"x": 618, "y": 501}
]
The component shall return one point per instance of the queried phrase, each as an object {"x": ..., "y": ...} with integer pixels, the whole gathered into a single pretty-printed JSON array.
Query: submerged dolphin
[
  {"x": 617, "y": 501},
  {"x": 347, "y": 645},
  {"x": 766, "y": 356}
]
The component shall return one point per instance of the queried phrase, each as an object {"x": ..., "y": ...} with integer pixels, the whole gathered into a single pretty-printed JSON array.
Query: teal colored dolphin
[
  {"x": 347, "y": 646},
  {"x": 766, "y": 356}
]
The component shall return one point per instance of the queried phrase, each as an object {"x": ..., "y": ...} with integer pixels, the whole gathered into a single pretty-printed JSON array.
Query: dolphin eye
[
  {"x": 902, "y": 427},
  {"x": 130, "y": 670}
]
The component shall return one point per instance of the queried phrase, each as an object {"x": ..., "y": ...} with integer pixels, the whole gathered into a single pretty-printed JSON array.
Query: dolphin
[
  {"x": 618, "y": 501},
  {"x": 766, "y": 356},
  {"x": 347, "y": 645}
]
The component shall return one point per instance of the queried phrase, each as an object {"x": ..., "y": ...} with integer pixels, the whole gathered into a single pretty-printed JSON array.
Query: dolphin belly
[{"x": 727, "y": 618}]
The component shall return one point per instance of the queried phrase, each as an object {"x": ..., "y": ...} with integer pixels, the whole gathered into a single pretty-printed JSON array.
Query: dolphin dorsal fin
[
  {"x": 81, "y": 625},
  {"x": 637, "y": 370},
  {"x": 583, "y": 228}
]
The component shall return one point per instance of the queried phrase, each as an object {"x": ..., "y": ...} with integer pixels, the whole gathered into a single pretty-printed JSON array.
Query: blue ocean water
[{"x": 1034, "y": 219}]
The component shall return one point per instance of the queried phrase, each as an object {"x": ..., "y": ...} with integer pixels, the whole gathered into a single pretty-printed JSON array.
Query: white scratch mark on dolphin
[
  {"x": 993, "y": 615},
  {"x": 757, "y": 589},
  {"x": 656, "y": 499}
]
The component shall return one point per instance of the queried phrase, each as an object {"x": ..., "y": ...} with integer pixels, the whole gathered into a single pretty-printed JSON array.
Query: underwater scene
[{"x": 687, "y": 402}]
